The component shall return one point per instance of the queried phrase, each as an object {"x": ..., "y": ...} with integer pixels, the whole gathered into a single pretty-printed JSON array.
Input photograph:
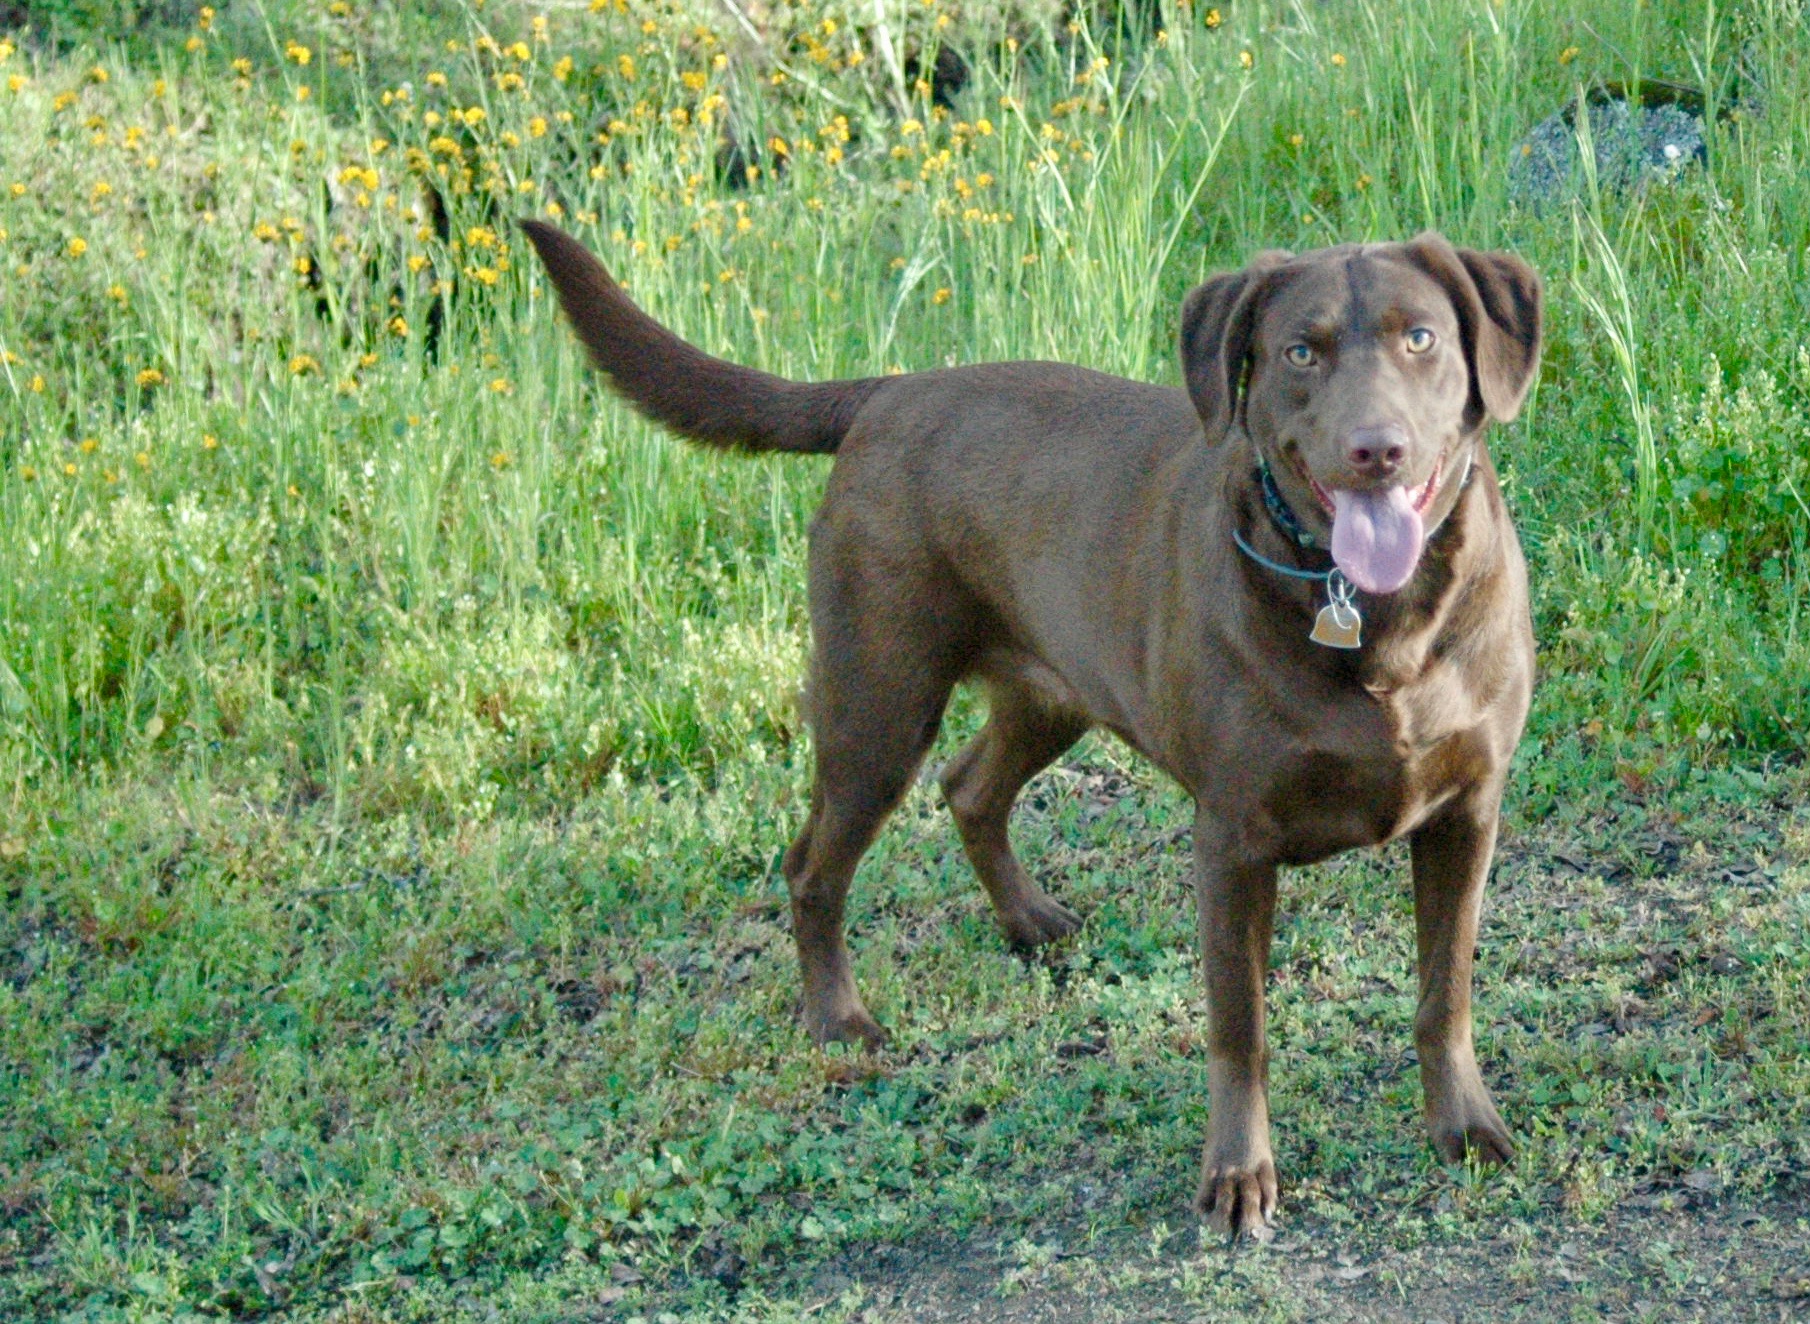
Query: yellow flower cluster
[{"x": 501, "y": 127}]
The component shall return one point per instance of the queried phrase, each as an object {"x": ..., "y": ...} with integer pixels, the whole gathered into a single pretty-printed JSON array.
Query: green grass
[{"x": 397, "y": 744}]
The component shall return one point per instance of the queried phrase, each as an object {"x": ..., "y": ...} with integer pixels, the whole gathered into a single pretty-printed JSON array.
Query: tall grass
[{"x": 270, "y": 598}]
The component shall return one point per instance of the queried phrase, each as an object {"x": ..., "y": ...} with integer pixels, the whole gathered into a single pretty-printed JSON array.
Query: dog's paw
[
  {"x": 847, "y": 1027},
  {"x": 1470, "y": 1126},
  {"x": 1488, "y": 1144},
  {"x": 1040, "y": 921},
  {"x": 1238, "y": 1199}
]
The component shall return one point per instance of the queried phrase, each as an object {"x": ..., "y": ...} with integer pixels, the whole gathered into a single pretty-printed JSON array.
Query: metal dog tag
[{"x": 1338, "y": 624}]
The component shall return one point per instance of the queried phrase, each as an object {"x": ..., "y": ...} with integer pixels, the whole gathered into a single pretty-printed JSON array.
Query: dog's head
[{"x": 1364, "y": 376}]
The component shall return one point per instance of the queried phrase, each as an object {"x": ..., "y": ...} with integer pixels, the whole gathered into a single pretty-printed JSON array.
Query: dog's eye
[
  {"x": 1299, "y": 356},
  {"x": 1420, "y": 340}
]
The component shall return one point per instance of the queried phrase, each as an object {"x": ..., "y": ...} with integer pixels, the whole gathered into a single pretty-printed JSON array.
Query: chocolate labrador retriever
[{"x": 1294, "y": 586}]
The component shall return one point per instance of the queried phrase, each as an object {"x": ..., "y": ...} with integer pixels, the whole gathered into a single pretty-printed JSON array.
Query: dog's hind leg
[
  {"x": 875, "y": 709},
  {"x": 1021, "y": 738}
]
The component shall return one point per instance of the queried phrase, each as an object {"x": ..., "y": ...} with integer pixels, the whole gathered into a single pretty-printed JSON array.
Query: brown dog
[{"x": 1099, "y": 552}]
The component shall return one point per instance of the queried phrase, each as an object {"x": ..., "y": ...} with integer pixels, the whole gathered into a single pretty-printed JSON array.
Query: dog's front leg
[
  {"x": 1236, "y": 899},
  {"x": 1451, "y": 856}
]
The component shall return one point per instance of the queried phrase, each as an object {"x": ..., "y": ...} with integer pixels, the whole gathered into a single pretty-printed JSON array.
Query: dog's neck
[{"x": 1281, "y": 514}]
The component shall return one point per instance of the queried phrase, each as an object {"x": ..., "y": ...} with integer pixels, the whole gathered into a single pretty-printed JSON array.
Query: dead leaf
[{"x": 1796, "y": 1288}]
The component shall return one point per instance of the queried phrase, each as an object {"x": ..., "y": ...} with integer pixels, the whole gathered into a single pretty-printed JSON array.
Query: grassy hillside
[{"x": 397, "y": 737}]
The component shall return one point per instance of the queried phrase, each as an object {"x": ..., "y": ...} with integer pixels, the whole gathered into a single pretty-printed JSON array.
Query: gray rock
[{"x": 1632, "y": 145}]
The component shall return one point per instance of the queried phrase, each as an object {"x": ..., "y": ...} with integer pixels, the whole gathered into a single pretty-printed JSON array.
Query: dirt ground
[{"x": 1662, "y": 1257}]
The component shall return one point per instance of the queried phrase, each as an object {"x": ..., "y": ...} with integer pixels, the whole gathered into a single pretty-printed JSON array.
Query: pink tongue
[{"x": 1376, "y": 537}]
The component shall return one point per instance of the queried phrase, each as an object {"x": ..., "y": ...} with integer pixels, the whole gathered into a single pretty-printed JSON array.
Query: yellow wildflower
[
  {"x": 298, "y": 52},
  {"x": 148, "y": 378},
  {"x": 303, "y": 364},
  {"x": 77, "y": 247}
]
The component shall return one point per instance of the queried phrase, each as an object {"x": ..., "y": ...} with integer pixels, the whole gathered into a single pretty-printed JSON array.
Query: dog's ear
[
  {"x": 1498, "y": 300},
  {"x": 1217, "y": 320}
]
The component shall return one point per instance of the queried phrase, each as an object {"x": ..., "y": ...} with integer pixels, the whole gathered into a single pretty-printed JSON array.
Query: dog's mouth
[{"x": 1378, "y": 535}]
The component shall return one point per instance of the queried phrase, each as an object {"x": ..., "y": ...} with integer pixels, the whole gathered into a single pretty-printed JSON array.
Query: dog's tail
[{"x": 700, "y": 397}]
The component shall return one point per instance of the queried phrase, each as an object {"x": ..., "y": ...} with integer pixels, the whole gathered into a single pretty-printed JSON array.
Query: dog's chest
[{"x": 1371, "y": 769}]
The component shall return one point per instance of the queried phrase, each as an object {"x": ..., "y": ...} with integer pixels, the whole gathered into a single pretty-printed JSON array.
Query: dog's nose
[{"x": 1377, "y": 450}]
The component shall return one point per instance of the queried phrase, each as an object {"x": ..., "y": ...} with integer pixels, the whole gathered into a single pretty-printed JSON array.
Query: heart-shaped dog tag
[{"x": 1338, "y": 625}]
